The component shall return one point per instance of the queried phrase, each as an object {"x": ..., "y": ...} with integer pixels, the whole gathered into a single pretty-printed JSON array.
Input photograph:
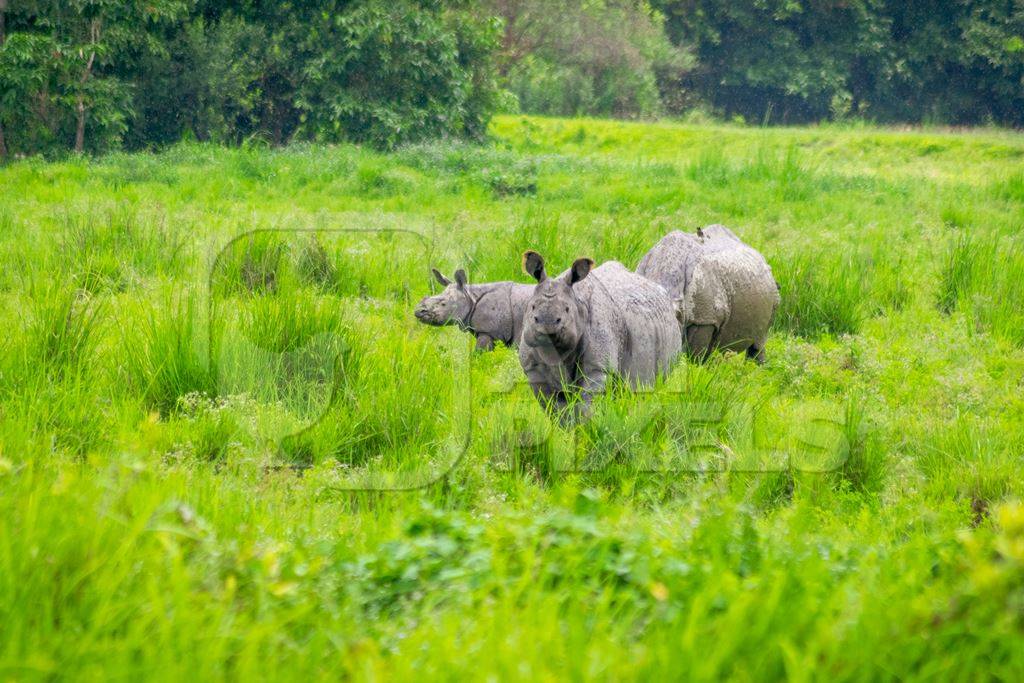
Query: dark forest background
[{"x": 95, "y": 75}]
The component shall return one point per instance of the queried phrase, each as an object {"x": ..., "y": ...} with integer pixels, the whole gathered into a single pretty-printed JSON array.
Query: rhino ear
[
  {"x": 533, "y": 264},
  {"x": 580, "y": 269},
  {"x": 440, "y": 278},
  {"x": 460, "y": 278}
]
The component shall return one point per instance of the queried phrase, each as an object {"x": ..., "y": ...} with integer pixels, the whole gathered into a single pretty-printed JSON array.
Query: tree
[
  {"x": 67, "y": 61},
  {"x": 396, "y": 72},
  {"x": 98, "y": 40},
  {"x": 587, "y": 57},
  {"x": 95, "y": 74},
  {"x": 787, "y": 60},
  {"x": 3, "y": 39}
]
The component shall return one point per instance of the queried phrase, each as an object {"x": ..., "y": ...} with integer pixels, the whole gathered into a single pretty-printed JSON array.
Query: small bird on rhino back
[
  {"x": 724, "y": 292},
  {"x": 588, "y": 323}
]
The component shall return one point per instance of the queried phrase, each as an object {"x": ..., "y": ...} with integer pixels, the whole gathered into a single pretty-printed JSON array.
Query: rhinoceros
[
  {"x": 723, "y": 290},
  {"x": 589, "y": 322},
  {"x": 491, "y": 311}
]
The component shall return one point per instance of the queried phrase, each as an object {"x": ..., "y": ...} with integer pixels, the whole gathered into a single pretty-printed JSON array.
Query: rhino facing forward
[
  {"x": 589, "y": 322},
  {"x": 724, "y": 292},
  {"x": 491, "y": 311}
]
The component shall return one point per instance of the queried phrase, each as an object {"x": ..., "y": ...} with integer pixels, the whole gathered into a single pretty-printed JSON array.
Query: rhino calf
[
  {"x": 724, "y": 292},
  {"x": 589, "y": 322},
  {"x": 491, "y": 311}
]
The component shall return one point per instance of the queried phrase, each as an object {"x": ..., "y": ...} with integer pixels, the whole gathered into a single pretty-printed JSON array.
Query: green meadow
[{"x": 227, "y": 449}]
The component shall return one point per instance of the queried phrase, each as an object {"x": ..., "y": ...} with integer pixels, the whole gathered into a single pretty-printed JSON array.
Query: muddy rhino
[
  {"x": 723, "y": 290},
  {"x": 589, "y": 322},
  {"x": 491, "y": 311}
]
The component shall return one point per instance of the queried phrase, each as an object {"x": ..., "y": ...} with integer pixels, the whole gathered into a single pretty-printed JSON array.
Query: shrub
[{"x": 517, "y": 180}]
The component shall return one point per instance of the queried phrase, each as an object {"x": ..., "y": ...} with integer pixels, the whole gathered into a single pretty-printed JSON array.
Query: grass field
[{"x": 210, "y": 387}]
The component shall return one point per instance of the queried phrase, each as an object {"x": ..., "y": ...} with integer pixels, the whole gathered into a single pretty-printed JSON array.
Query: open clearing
[{"x": 184, "y": 415}]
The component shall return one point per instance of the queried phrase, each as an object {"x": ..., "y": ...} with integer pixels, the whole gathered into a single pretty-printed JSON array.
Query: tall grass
[
  {"x": 250, "y": 264},
  {"x": 190, "y": 475},
  {"x": 958, "y": 272},
  {"x": 972, "y": 458},
  {"x": 113, "y": 248},
  {"x": 821, "y": 295},
  {"x": 63, "y": 329},
  {"x": 984, "y": 275},
  {"x": 785, "y": 174},
  {"x": 1011, "y": 187},
  {"x": 169, "y": 352},
  {"x": 864, "y": 465}
]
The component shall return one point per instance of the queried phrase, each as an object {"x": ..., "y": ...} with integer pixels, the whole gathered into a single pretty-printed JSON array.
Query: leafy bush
[{"x": 519, "y": 179}]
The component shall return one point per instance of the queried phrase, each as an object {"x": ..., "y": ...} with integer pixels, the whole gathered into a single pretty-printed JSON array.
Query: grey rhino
[
  {"x": 491, "y": 311},
  {"x": 589, "y": 322},
  {"x": 723, "y": 290}
]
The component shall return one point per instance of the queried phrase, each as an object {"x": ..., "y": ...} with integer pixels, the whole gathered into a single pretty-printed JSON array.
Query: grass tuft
[
  {"x": 166, "y": 354},
  {"x": 1011, "y": 187},
  {"x": 249, "y": 265},
  {"x": 314, "y": 265},
  {"x": 821, "y": 295},
  {"x": 864, "y": 465},
  {"x": 958, "y": 272},
  {"x": 63, "y": 329},
  {"x": 985, "y": 276}
]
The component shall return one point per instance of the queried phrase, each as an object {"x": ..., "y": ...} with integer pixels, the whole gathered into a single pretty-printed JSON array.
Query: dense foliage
[
  {"x": 946, "y": 61},
  {"x": 608, "y": 57},
  {"x": 98, "y": 74},
  {"x": 104, "y": 71}
]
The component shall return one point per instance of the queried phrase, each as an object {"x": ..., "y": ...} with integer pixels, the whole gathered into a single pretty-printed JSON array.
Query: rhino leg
[
  {"x": 554, "y": 399},
  {"x": 484, "y": 343},
  {"x": 700, "y": 341},
  {"x": 756, "y": 353},
  {"x": 593, "y": 383}
]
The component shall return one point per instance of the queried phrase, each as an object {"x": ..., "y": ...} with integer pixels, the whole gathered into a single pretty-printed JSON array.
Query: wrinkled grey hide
[
  {"x": 492, "y": 311},
  {"x": 589, "y": 322},
  {"x": 723, "y": 290}
]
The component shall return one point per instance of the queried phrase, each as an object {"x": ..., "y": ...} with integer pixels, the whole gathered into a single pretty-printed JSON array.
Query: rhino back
[
  {"x": 719, "y": 231},
  {"x": 671, "y": 261}
]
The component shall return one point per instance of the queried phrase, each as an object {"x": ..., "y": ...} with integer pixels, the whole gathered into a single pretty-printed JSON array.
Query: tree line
[{"x": 95, "y": 75}]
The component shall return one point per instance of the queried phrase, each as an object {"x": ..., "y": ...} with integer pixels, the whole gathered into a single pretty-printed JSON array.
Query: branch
[{"x": 88, "y": 67}]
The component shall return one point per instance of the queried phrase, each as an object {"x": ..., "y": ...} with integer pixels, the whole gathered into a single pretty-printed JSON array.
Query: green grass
[{"x": 227, "y": 450}]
